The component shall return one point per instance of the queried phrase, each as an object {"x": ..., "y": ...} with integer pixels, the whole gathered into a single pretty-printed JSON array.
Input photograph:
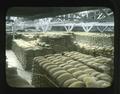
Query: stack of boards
[{"x": 72, "y": 69}]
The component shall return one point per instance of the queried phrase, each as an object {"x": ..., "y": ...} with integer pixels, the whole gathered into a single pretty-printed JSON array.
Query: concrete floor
[{"x": 14, "y": 62}]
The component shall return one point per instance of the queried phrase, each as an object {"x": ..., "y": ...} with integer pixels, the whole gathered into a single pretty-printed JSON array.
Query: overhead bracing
[
  {"x": 69, "y": 28},
  {"x": 87, "y": 20}
]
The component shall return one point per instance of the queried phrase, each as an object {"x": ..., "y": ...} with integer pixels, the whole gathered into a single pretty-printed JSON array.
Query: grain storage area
[
  {"x": 71, "y": 69},
  {"x": 69, "y": 57}
]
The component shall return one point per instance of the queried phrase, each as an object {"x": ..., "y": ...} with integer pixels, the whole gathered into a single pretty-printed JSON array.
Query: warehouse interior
[{"x": 69, "y": 47}]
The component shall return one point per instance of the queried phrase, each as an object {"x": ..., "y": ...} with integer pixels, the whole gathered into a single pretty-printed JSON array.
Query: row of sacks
[
  {"x": 105, "y": 51},
  {"x": 28, "y": 36},
  {"x": 99, "y": 63},
  {"x": 29, "y": 46},
  {"x": 26, "y": 51},
  {"x": 18, "y": 35},
  {"x": 39, "y": 76},
  {"x": 65, "y": 72},
  {"x": 97, "y": 39},
  {"x": 64, "y": 42},
  {"x": 59, "y": 42},
  {"x": 96, "y": 44}
]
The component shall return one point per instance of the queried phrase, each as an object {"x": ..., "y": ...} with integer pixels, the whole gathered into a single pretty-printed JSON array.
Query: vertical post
[
  {"x": 86, "y": 14},
  {"x": 13, "y": 30},
  {"x": 95, "y": 14}
]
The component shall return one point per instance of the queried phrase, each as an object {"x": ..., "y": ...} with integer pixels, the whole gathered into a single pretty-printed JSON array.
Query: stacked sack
[
  {"x": 58, "y": 42},
  {"x": 27, "y": 50},
  {"x": 38, "y": 77},
  {"x": 97, "y": 39},
  {"x": 99, "y": 63},
  {"x": 105, "y": 51},
  {"x": 95, "y": 44},
  {"x": 64, "y": 71},
  {"x": 29, "y": 36}
]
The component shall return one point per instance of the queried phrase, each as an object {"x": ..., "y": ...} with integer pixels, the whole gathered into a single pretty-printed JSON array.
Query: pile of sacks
[
  {"x": 29, "y": 36},
  {"x": 96, "y": 44},
  {"x": 29, "y": 46},
  {"x": 97, "y": 39},
  {"x": 63, "y": 71},
  {"x": 38, "y": 75},
  {"x": 27, "y": 50},
  {"x": 25, "y": 36},
  {"x": 106, "y": 51},
  {"x": 58, "y": 42},
  {"x": 98, "y": 63}
]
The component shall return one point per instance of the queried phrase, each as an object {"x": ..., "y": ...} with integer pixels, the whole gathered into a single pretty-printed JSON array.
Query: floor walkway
[{"x": 14, "y": 62}]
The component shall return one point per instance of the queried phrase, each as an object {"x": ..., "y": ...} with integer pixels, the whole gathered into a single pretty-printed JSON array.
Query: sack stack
[
  {"x": 96, "y": 50},
  {"x": 27, "y": 50},
  {"x": 58, "y": 42},
  {"x": 31, "y": 45},
  {"x": 96, "y": 44},
  {"x": 64, "y": 70},
  {"x": 100, "y": 63}
]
